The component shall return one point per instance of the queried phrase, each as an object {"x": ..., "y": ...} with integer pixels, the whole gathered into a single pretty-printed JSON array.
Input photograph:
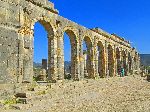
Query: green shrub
[
  {"x": 32, "y": 86},
  {"x": 41, "y": 92},
  {"x": 10, "y": 101}
]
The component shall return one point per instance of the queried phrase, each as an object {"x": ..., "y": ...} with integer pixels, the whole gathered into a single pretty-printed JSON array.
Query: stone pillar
[
  {"x": 120, "y": 62},
  {"x": 75, "y": 61},
  {"x": 82, "y": 61},
  {"x": 106, "y": 60},
  {"x": 113, "y": 67},
  {"x": 20, "y": 58},
  {"x": 60, "y": 54},
  {"x": 132, "y": 65},
  {"x": 97, "y": 62},
  {"x": 103, "y": 63},
  {"x": 139, "y": 62},
  {"x": 115, "y": 62},
  {"x": 27, "y": 48},
  {"x": 77, "y": 65},
  {"x": 129, "y": 63},
  {"x": 85, "y": 64},
  {"x": 52, "y": 58},
  {"x": 93, "y": 69},
  {"x": 127, "y": 66}
]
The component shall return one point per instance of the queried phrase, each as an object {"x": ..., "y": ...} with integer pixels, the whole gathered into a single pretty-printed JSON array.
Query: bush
[
  {"x": 32, "y": 86},
  {"x": 10, "y": 101},
  {"x": 41, "y": 92}
]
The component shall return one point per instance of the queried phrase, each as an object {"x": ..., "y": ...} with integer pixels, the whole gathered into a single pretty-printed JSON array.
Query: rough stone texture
[{"x": 17, "y": 19}]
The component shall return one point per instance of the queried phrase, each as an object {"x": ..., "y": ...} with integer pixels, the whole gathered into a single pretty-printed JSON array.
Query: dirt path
[{"x": 128, "y": 94}]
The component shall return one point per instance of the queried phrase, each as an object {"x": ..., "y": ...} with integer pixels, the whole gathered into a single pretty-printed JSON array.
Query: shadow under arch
[
  {"x": 118, "y": 61},
  {"x": 130, "y": 62},
  {"x": 101, "y": 59},
  {"x": 124, "y": 61},
  {"x": 110, "y": 61},
  {"x": 88, "y": 56}
]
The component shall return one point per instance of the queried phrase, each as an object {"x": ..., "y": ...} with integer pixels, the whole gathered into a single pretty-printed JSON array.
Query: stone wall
[{"x": 17, "y": 19}]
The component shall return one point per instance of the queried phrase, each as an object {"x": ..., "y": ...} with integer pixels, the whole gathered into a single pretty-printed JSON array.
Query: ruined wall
[
  {"x": 9, "y": 52},
  {"x": 17, "y": 19}
]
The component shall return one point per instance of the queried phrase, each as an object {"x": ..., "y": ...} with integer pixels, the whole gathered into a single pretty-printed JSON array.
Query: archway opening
[
  {"x": 101, "y": 60},
  {"x": 110, "y": 61},
  {"x": 87, "y": 54},
  {"x": 70, "y": 54},
  {"x": 124, "y": 62},
  {"x": 118, "y": 62},
  {"x": 130, "y": 62},
  {"x": 135, "y": 62},
  {"x": 43, "y": 33}
]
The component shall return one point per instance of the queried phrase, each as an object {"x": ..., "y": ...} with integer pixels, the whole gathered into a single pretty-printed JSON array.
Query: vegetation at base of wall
[
  {"x": 41, "y": 92},
  {"x": 97, "y": 77},
  {"x": 148, "y": 68},
  {"x": 32, "y": 86},
  {"x": 9, "y": 101},
  {"x": 36, "y": 78},
  {"x": 67, "y": 76}
]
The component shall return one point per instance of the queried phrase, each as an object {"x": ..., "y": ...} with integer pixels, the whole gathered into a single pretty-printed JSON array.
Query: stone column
[
  {"x": 127, "y": 66},
  {"x": 97, "y": 62},
  {"x": 77, "y": 65},
  {"x": 85, "y": 64},
  {"x": 25, "y": 46},
  {"x": 106, "y": 60},
  {"x": 75, "y": 61},
  {"x": 82, "y": 60},
  {"x": 139, "y": 63},
  {"x": 120, "y": 61},
  {"x": 93, "y": 69},
  {"x": 20, "y": 58},
  {"x": 115, "y": 62},
  {"x": 132, "y": 65},
  {"x": 52, "y": 57},
  {"x": 60, "y": 54},
  {"x": 113, "y": 69},
  {"x": 103, "y": 63}
]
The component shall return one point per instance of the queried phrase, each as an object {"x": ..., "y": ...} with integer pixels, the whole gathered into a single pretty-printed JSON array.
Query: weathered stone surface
[{"x": 17, "y": 19}]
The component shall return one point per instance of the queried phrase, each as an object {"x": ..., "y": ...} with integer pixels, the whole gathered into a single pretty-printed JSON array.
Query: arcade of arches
[{"x": 105, "y": 54}]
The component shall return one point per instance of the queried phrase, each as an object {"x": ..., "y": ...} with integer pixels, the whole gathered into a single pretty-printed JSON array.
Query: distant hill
[
  {"x": 145, "y": 59},
  {"x": 37, "y": 65}
]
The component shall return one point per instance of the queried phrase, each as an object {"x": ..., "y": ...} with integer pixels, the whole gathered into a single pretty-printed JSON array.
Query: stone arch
[
  {"x": 135, "y": 61},
  {"x": 118, "y": 60},
  {"x": 73, "y": 30},
  {"x": 110, "y": 60},
  {"x": 101, "y": 59},
  {"x": 130, "y": 62},
  {"x": 124, "y": 61},
  {"x": 88, "y": 58},
  {"x": 49, "y": 27},
  {"x": 28, "y": 38},
  {"x": 74, "y": 52}
]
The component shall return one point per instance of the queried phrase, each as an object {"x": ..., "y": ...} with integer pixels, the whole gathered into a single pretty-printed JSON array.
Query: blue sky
[{"x": 127, "y": 18}]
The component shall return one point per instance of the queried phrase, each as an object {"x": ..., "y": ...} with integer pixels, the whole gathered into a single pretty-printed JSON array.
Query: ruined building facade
[{"x": 105, "y": 52}]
